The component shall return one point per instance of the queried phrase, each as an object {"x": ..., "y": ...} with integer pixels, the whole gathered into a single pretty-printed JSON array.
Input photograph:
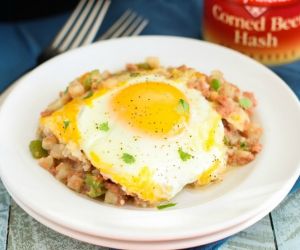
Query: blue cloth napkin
[{"x": 21, "y": 42}]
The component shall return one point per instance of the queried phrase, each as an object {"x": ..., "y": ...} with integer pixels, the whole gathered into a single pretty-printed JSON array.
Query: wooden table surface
[{"x": 278, "y": 230}]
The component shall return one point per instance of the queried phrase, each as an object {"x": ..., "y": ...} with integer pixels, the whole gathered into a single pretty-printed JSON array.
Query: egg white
[{"x": 158, "y": 155}]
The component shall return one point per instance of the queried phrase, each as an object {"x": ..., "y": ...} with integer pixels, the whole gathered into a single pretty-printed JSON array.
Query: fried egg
[{"x": 149, "y": 134}]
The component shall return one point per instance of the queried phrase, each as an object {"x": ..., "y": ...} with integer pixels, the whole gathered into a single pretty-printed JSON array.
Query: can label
[{"x": 268, "y": 33}]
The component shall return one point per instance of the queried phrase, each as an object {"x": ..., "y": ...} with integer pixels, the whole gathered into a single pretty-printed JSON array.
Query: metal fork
[
  {"x": 129, "y": 24},
  {"x": 80, "y": 29}
]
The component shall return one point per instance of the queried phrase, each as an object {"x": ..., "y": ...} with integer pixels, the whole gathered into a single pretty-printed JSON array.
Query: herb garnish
[
  {"x": 66, "y": 124},
  {"x": 183, "y": 106},
  {"x": 183, "y": 155},
  {"x": 160, "y": 207},
  {"x": 102, "y": 126},
  {"x": 128, "y": 158},
  {"x": 89, "y": 94}
]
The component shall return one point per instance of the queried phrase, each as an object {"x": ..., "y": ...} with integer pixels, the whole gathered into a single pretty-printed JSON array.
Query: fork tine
[
  {"x": 95, "y": 27},
  {"x": 116, "y": 25},
  {"x": 70, "y": 36},
  {"x": 132, "y": 26},
  {"x": 60, "y": 35},
  {"x": 92, "y": 20},
  {"x": 140, "y": 28},
  {"x": 129, "y": 24},
  {"x": 136, "y": 27},
  {"x": 123, "y": 27}
]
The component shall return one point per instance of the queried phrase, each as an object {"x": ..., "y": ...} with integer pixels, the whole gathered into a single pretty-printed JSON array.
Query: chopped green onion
[
  {"x": 244, "y": 146},
  {"x": 95, "y": 72},
  {"x": 89, "y": 94},
  {"x": 245, "y": 103},
  {"x": 183, "y": 155},
  {"x": 128, "y": 158},
  {"x": 66, "y": 124},
  {"x": 183, "y": 106},
  {"x": 160, "y": 207},
  {"x": 90, "y": 78},
  {"x": 37, "y": 150},
  {"x": 215, "y": 84},
  {"x": 66, "y": 90},
  {"x": 144, "y": 66},
  {"x": 96, "y": 187},
  {"x": 103, "y": 126},
  {"x": 87, "y": 83},
  {"x": 226, "y": 141}
]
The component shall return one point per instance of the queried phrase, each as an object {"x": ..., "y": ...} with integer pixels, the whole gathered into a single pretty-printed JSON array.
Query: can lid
[{"x": 266, "y": 3}]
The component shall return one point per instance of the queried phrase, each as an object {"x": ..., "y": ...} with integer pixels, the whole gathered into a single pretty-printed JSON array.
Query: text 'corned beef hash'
[{"x": 140, "y": 135}]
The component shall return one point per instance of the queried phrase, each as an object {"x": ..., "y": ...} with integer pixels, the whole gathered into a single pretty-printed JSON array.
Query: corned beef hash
[{"x": 140, "y": 135}]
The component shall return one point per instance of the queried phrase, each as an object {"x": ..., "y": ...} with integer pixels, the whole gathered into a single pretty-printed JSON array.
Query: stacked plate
[{"x": 201, "y": 216}]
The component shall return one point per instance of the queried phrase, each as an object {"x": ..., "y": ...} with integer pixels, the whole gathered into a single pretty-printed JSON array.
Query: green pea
[
  {"x": 96, "y": 187},
  {"x": 245, "y": 103},
  {"x": 215, "y": 84},
  {"x": 37, "y": 150}
]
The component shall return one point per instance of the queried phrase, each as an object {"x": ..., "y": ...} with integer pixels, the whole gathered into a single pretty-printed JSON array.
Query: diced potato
[
  {"x": 75, "y": 182},
  {"x": 57, "y": 151},
  {"x": 76, "y": 89},
  {"x": 63, "y": 170},
  {"x": 153, "y": 62},
  {"x": 47, "y": 162},
  {"x": 239, "y": 119},
  {"x": 48, "y": 142},
  {"x": 111, "y": 198},
  {"x": 110, "y": 83}
]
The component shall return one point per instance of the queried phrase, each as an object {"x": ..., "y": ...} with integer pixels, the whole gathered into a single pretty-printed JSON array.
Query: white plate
[{"x": 245, "y": 192}]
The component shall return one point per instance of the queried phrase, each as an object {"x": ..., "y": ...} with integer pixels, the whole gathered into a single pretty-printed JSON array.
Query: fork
[
  {"x": 80, "y": 29},
  {"x": 129, "y": 24},
  {"x": 89, "y": 21}
]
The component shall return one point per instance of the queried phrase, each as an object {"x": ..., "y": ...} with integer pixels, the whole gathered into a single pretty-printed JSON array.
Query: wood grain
[
  {"x": 4, "y": 214},
  {"x": 26, "y": 233},
  {"x": 259, "y": 237},
  {"x": 286, "y": 221}
]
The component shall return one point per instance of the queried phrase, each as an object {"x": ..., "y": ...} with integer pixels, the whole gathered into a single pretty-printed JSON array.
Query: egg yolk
[
  {"x": 63, "y": 122},
  {"x": 152, "y": 107}
]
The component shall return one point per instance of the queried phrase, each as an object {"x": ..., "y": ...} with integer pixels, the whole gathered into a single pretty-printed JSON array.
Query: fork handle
[{"x": 46, "y": 55}]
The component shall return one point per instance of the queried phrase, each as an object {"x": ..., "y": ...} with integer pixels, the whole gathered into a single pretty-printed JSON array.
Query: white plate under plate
[
  {"x": 144, "y": 245},
  {"x": 245, "y": 192}
]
